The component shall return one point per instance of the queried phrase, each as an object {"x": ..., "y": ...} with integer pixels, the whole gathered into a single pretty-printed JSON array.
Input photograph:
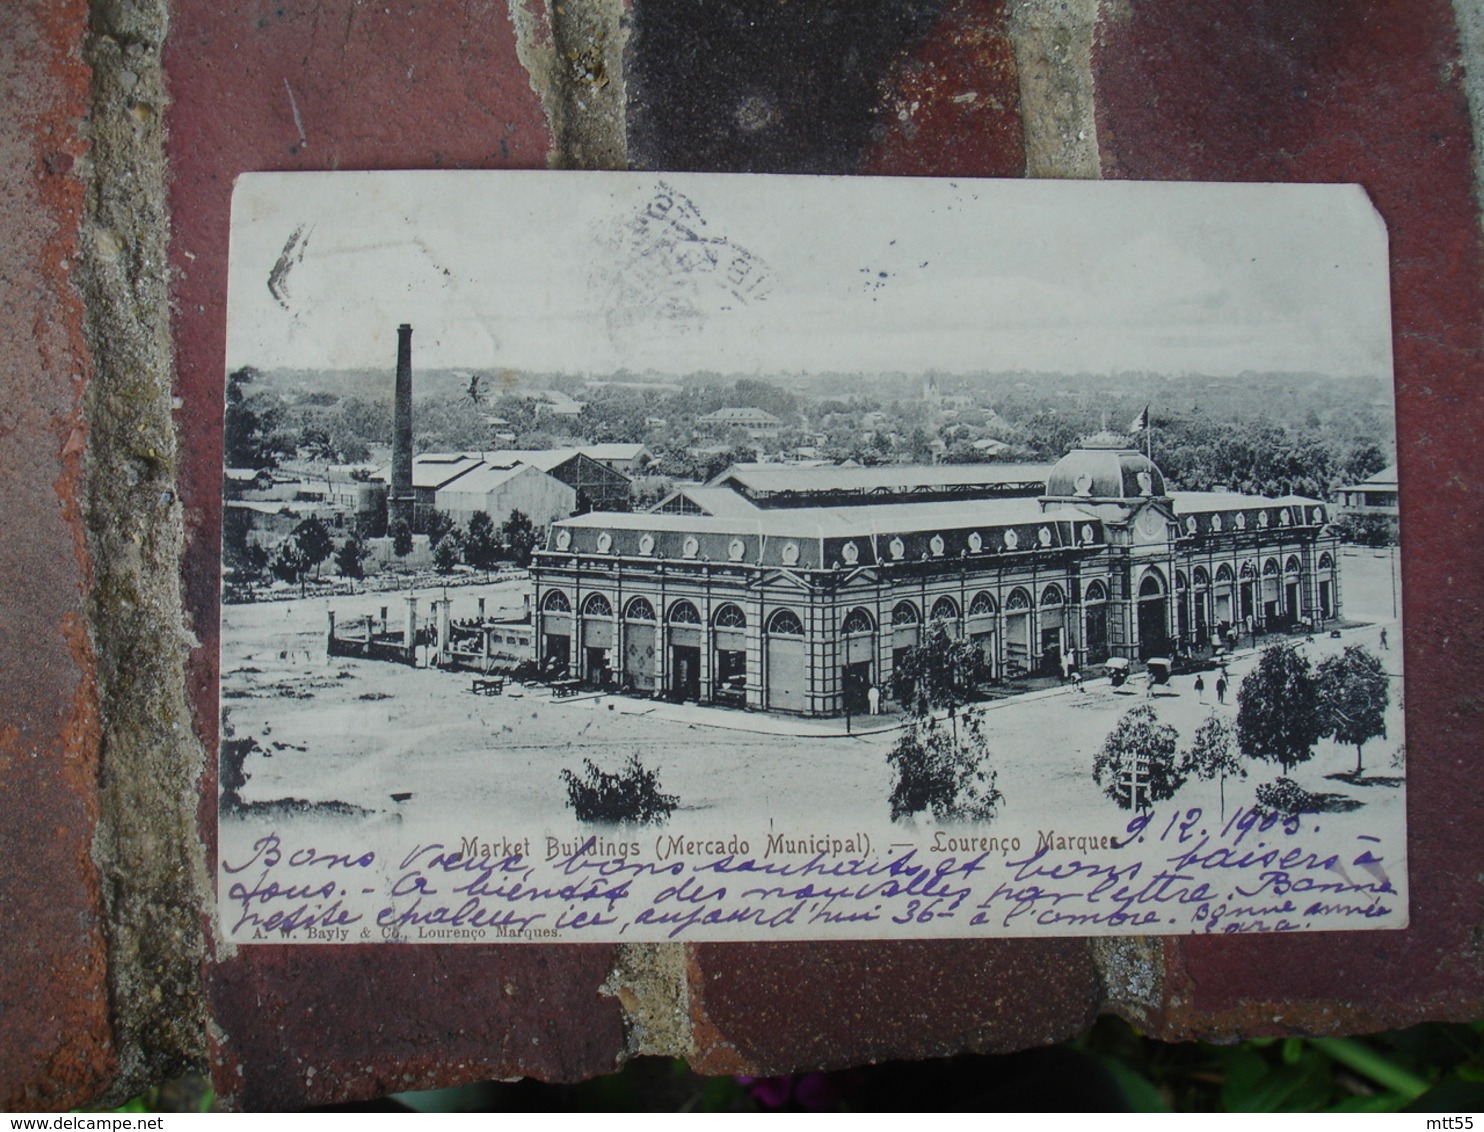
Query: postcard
[{"x": 640, "y": 557}]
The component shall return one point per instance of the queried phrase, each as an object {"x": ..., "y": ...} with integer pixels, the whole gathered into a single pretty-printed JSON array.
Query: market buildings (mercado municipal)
[{"x": 792, "y": 590}]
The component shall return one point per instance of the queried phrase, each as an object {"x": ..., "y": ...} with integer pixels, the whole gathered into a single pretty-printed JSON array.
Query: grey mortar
[
  {"x": 147, "y": 848},
  {"x": 1469, "y": 15},
  {"x": 1052, "y": 40},
  {"x": 651, "y": 983},
  {"x": 578, "y": 74}
]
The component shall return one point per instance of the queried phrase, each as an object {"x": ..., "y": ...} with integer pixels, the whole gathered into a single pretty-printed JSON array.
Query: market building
[{"x": 796, "y": 591}]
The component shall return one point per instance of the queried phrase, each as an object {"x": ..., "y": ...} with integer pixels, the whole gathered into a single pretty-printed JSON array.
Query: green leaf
[{"x": 1137, "y": 1089}]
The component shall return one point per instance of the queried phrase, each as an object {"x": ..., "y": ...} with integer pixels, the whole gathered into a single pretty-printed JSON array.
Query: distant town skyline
[{"x": 589, "y": 274}]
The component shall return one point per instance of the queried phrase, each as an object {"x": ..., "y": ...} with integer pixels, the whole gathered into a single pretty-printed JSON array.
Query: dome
[{"x": 1104, "y": 467}]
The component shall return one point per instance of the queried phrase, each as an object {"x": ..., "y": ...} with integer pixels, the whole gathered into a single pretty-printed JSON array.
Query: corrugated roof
[
  {"x": 485, "y": 479},
  {"x": 833, "y": 522},
  {"x": 889, "y": 477},
  {"x": 1193, "y": 502}
]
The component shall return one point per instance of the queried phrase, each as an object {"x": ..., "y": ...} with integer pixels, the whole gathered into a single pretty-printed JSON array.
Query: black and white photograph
[{"x": 642, "y": 557}]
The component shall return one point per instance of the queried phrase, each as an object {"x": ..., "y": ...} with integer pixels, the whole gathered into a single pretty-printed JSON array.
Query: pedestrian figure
[
  {"x": 1384, "y": 645},
  {"x": 1066, "y": 667},
  {"x": 1221, "y": 689},
  {"x": 873, "y": 699},
  {"x": 1149, "y": 684},
  {"x": 1077, "y": 679},
  {"x": 1200, "y": 687}
]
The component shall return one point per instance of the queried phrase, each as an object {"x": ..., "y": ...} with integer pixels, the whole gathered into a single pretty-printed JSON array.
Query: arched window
[
  {"x": 1095, "y": 591},
  {"x": 556, "y": 601},
  {"x": 857, "y": 621},
  {"x": 945, "y": 609},
  {"x": 1224, "y": 573},
  {"x": 1053, "y": 595},
  {"x": 729, "y": 616},
  {"x": 785, "y": 623},
  {"x": 596, "y": 605},
  {"x": 1326, "y": 562},
  {"x": 1270, "y": 568},
  {"x": 639, "y": 609},
  {"x": 1202, "y": 578},
  {"x": 1292, "y": 565},
  {"x": 1018, "y": 599},
  {"x": 1247, "y": 570},
  {"x": 1151, "y": 586},
  {"x": 982, "y": 605},
  {"x": 905, "y": 613},
  {"x": 1182, "y": 583},
  {"x": 684, "y": 613}
]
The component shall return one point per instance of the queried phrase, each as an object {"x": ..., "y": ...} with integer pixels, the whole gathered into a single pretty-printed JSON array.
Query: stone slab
[{"x": 54, "y": 1031}]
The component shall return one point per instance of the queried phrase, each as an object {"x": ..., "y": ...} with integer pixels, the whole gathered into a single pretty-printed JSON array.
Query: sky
[{"x": 590, "y": 273}]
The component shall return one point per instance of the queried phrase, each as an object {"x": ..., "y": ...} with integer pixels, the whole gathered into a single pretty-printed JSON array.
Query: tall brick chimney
[{"x": 400, "y": 504}]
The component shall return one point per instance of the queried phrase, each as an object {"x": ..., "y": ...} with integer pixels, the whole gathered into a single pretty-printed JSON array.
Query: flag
[{"x": 1141, "y": 422}]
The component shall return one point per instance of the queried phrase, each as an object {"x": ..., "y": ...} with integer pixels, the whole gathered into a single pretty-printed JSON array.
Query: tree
[
  {"x": 519, "y": 537},
  {"x": 1278, "y": 708},
  {"x": 1213, "y": 754},
  {"x": 315, "y": 542},
  {"x": 481, "y": 549},
  {"x": 943, "y": 671},
  {"x": 446, "y": 555},
  {"x": 1354, "y": 692},
  {"x": 1136, "y": 765},
  {"x": 249, "y": 422},
  {"x": 401, "y": 539},
  {"x": 349, "y": 558},
  {"x": 439, "y": 524},
  {"x": 946, "y": 774},
  {"x": 289, "y": 563}
]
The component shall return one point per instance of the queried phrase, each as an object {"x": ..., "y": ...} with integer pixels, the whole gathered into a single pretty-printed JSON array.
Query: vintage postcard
[{"x": 643, "y": 557}]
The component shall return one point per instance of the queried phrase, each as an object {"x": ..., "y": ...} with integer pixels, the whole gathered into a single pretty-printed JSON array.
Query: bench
[
  {"x": 564, "y": 688},
  {"x": 489, "y": 685}
]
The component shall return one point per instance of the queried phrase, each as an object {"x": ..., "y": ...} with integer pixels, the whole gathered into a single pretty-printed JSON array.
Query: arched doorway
[
  {"x": 857, "y": 674},
  {"x": 597, "y": 641},
  {"x": 1326, "y": 586},
  {"x": 785, "y": 653},
  {"x": 685, "y": 651},
  {"x": 1095, "y": 615},
  {"x": 1202, "y": 579},
  {"x": 981, "y": 627},
  {"x": 639, "y": 645},
  {"x": 1017, "y": 632},
  {"x": 1154, "y": 626},
  {"x": 556, "y": 634},
  {"x": 729, "y": 655},
  {"x": 1053, "y": 629}
]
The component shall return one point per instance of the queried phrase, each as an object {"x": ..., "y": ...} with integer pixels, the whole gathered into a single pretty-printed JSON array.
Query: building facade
[{"x": 766, "y": 600}]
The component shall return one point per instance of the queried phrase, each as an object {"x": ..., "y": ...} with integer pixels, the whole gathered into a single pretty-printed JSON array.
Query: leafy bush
[
  {"x": 632, "y": 795},
  {"x": 943, "y": 773},
  {"x": 1287, "y": 798}
]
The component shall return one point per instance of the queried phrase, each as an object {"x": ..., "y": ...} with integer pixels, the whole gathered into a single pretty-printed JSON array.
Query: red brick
[
  {"x": 771, "y": 1008},
  {"x": 952, "y": 104},
  {"x": 426, "y": 85},
  {"x": 54, "y": 1033},
  {"x": 1368, "y": 92}
]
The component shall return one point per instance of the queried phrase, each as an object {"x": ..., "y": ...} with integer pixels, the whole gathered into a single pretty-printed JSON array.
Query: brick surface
[
  {"x": 55, "y": 1044},
  {"x": 343, "y": 85},
  {"x": 774, "y": 1008},
  {"x": 1367, "y": 92}
]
